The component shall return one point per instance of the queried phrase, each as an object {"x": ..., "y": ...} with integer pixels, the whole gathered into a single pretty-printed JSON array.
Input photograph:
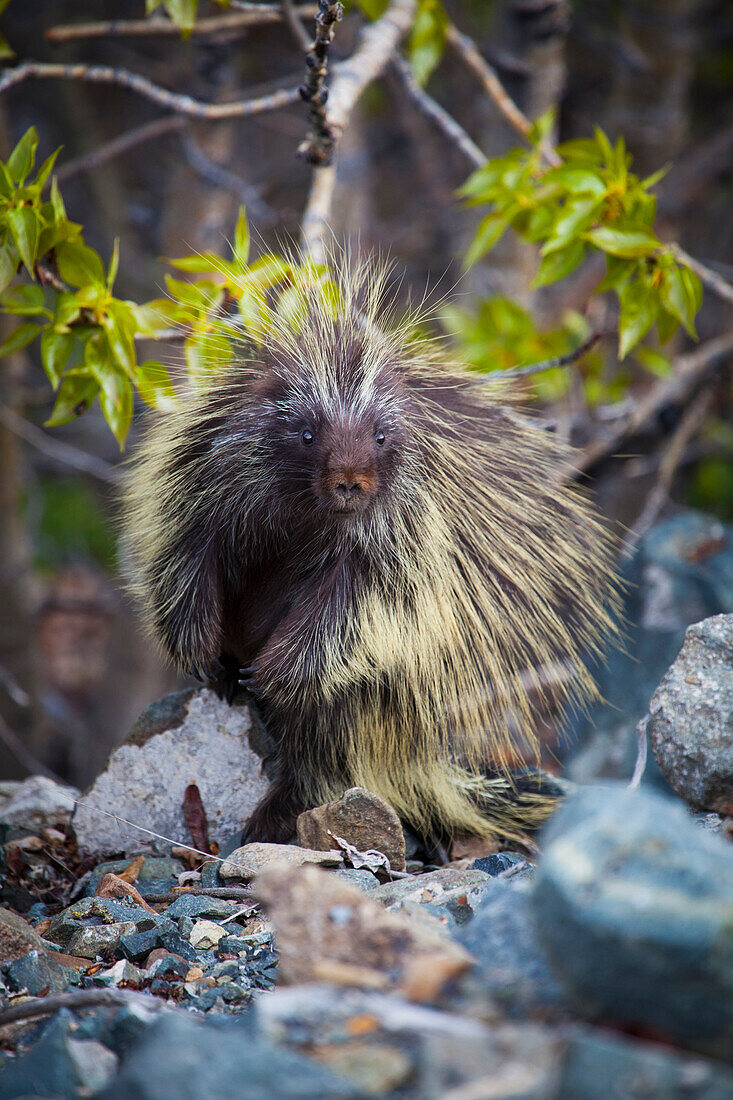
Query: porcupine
[{"x": 369, "y": 540}]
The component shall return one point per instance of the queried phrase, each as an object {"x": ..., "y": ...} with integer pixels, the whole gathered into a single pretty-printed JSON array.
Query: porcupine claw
[{"x": 247, "y": 677}]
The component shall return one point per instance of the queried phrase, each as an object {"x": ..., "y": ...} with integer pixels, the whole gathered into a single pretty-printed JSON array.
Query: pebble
[
  {"x": 206, "y": 934},
  {"x": 17, "y": 938},
  {"x": 359, "y": 817},
  {"x": 248, "y": 861}
]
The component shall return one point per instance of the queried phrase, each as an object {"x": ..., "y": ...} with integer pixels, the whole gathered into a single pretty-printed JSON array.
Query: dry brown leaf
[
  {"x": 112, "y": 886},
  {"x": 195, "y": 817},
  {"x": 131, "y": 873}
]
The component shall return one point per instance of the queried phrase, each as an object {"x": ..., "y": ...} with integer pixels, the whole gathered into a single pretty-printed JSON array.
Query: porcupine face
[{"x": 337, "y": 456}]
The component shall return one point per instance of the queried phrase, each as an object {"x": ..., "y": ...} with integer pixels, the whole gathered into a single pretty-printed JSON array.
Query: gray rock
[
  {"x": 360, "y": 877},
  {"x": 87, "y": 943},
  {"x": 193, "y": 1059},
  {"x": 690, "y": 724},
  {"x": 36, "y": 972},
  {"x": 681, "y": 573},
  {"x": 36, "y": 801},
  {"x": 16, "y": 937},
  {"x": 187, "y": 737},
  {"x": 598, "y": 1066},
  {"x": 106, "y": 910},
  {"x": 634, "y": 904},
  {"x": 158, "y": 873},
  {"x": 250, "y": 859},
  {"x": 436, "y": 887},
  {"x": 513, "y": 971},
  {"x": 59, "y": 1065},
  {"x": 201, "y": 907},
  {"x": 359, "y": 817}
]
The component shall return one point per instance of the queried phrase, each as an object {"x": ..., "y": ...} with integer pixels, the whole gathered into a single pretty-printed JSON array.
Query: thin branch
[
  {"x": 318, "y": 147},
  {"x": 149, "y": 131},
  {"x": 20, "y": 697},
  {"x": 467, "y": 49},
  {"x": 251, "y": 16},
  {"x": 689, "y": 373},
  {"x": 433, "y": 110},
  {"x": 546, "y": 364},
  {"x": 55, "y": 449},
  {"x": 221, "y": 177},
  {"x": 690, "y": 424},
  {"x": 123, "y": 78},
  {"x": 377, "y": 42},
  {"x": 22, "y": 753},
  {"x": 292, "y": 16},
  {"x": 79, "y": 999}
]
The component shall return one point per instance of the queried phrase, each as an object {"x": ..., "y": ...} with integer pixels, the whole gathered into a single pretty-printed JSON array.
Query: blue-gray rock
[
  {"x": 198, "y": 906},
  {"x": 192, "y": 1059},
  {"x": 88, "y": 942},
  {"x": 436, "y": 887},
  {"x": 158, "y": 873},
  {"x": 681, "y": 573},
  {"x": 501, "y": 861},
  {"x": 512, "y": 970},
  {"x": 360, "y": 877},
  {"x": 36, "y": 972},
  {"x": 690, "y": 723},
  {"x": 88, "y": 912},
  {"x": 599, "y": 1066},
  {"x": 59, "y": 1065},
  {"x": 634, "y": 904}
]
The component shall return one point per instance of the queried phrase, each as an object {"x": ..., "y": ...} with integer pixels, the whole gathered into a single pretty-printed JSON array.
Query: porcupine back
[{"x": 476, "y": 577}]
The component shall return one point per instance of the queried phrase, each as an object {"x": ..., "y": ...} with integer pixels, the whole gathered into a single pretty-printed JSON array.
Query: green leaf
[
  {"x": 677, "y": 297},
  {"x": 57, "y": 202},
  {"x": 241, "y": 239},
  {"x": 6, "y": 50},
  {"x": 255, "y": 312},
  {"x": 19, "y": 338},
  {"x": 55, "y": 351},
  {"x": 115, "y": 395},
  {"x": 76, "y": 393},
  {"x": 8, "y": 264},
  {"x": 576, "y": 216},
  {"x": 7, "y": 188},
  {"x": 25, "y": 229},
  {"x": 655, "y": 177},
  {"x": 542, "y": 127},
  {"x": 23, "y": 156},
  {"x": 577, "y": 181},
  {"x": 373, "y": 9},
  {"x": 204, "y": 261},
  {"x": 114, "y": 264},
  {"x": 66, "y": 311},
  {"x": 667, "y": 326},
  {"x": 639, "y": 309},
  {"x": 489, "y": 232},
  {"x": 80, "y": 265},
  {"x": 627, "y": 243},
  {"x": 618, "y": 271},
  {"x": 155, "y": 386},
  {"x": 557, "y": 265},
  {"x": 269, "y": 270},
  {"x": 45, "y": 170},
  {"x": 158, "y": 316},
  {"x": 183, "y": 13},
  {"x": 206, "y": 352},
  {"x": 426, "y": 44},
  {"x": 120, "y": 326},
  {"x": 653, "y": 361},
  {"x": 24, "y": 301}
]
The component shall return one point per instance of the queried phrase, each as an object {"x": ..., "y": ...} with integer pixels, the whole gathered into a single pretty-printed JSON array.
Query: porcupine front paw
[
  {"x": 275, "y": 816},
  {"x": 221, "y": 675}
]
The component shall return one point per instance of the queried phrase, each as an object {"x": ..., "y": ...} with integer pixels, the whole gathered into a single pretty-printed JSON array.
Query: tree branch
[
  {"x": 318, "y": 147},
  {"x": 712, "y": 280},
  {"x": 55, "y": 449},
  {"x": 79, "y": 999},
  {"x": 433, "y": 110},
  {"x": 546, "y": 364},
  {"x": 173, "y": 101},
  {"x": 292, "y": 16},
  {"x": 250, "y": 16},
  {"x": 467, "y": 49},
  {"x": 149, "y": 131},
  {"x": 377, "y": 42}
]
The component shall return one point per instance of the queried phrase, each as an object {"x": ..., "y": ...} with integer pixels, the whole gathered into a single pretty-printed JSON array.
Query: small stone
[
  {"x": 38, "y": 801},
  {"x": 248, "y": 861},
  {"x": 122, "y": 971},
  {"x": 188, "y": 733},
  {"x": 205, "y": 934},
  {"x": 359, "y": 817},
  {"x": 93, "y": 941},
  {"x": 194, "y": 974},
  {"x": 138, "y": 945},
  {"x": 498, "y": 863},
  {"x": 443, "y": 886},
  {"x": 325, "y": 927},
  {"x": 690, "y": 723},
  {"x": 360, "y": 877},
  {"x": 197, "y": 906},
  {"x": 36, "y": 973},
  {"x": 59, "y": 1065},
  {"x": 16, "y": 936}
]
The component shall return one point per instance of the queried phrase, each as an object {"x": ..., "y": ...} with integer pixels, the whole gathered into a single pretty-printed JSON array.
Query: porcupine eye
[
  {"x": 307, "y": 437},
  {"x": 380, "y": 439}
]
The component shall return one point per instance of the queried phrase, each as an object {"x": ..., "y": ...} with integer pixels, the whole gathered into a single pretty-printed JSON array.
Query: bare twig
[
  {"x": 430, "y": 107},
  {"x": 22, "y": 754},
  {"x": 75, "y": 1002},
  {"x": 467, "y": 49},
  {"x": 690, "y": 424},
  {"x": 250, "y": 16},
  {"x": 292, "y": 17},
  {"x": 221, "y": 177},
  {"x": 20, "y": 697},
  {"x": 688, "y": 374},
  {"x": 55, "y": 449},
  {"x": 172, "y": 101},
  {"x": 149, "y": 131},
  {"x": 377, "y": 42},
  {"x": 642, "y": 751},
  {"x": 546, "y": 364},
  {"x": 318, "y": 147},
  {"x": 229, "y": 893}
]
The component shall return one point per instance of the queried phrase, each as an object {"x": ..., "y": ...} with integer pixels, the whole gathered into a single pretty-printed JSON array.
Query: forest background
[{"x": 553, "y": 245}]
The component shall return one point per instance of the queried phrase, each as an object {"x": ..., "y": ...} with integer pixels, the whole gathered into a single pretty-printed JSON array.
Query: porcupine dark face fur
[{"x": 337, "y": 460}]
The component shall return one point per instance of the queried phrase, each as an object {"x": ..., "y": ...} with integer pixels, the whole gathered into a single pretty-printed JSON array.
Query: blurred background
[{"x": 75, "y": 667}]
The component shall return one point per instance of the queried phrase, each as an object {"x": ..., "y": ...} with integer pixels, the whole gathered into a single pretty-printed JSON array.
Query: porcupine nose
[{"x": 348, "y": 489}]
